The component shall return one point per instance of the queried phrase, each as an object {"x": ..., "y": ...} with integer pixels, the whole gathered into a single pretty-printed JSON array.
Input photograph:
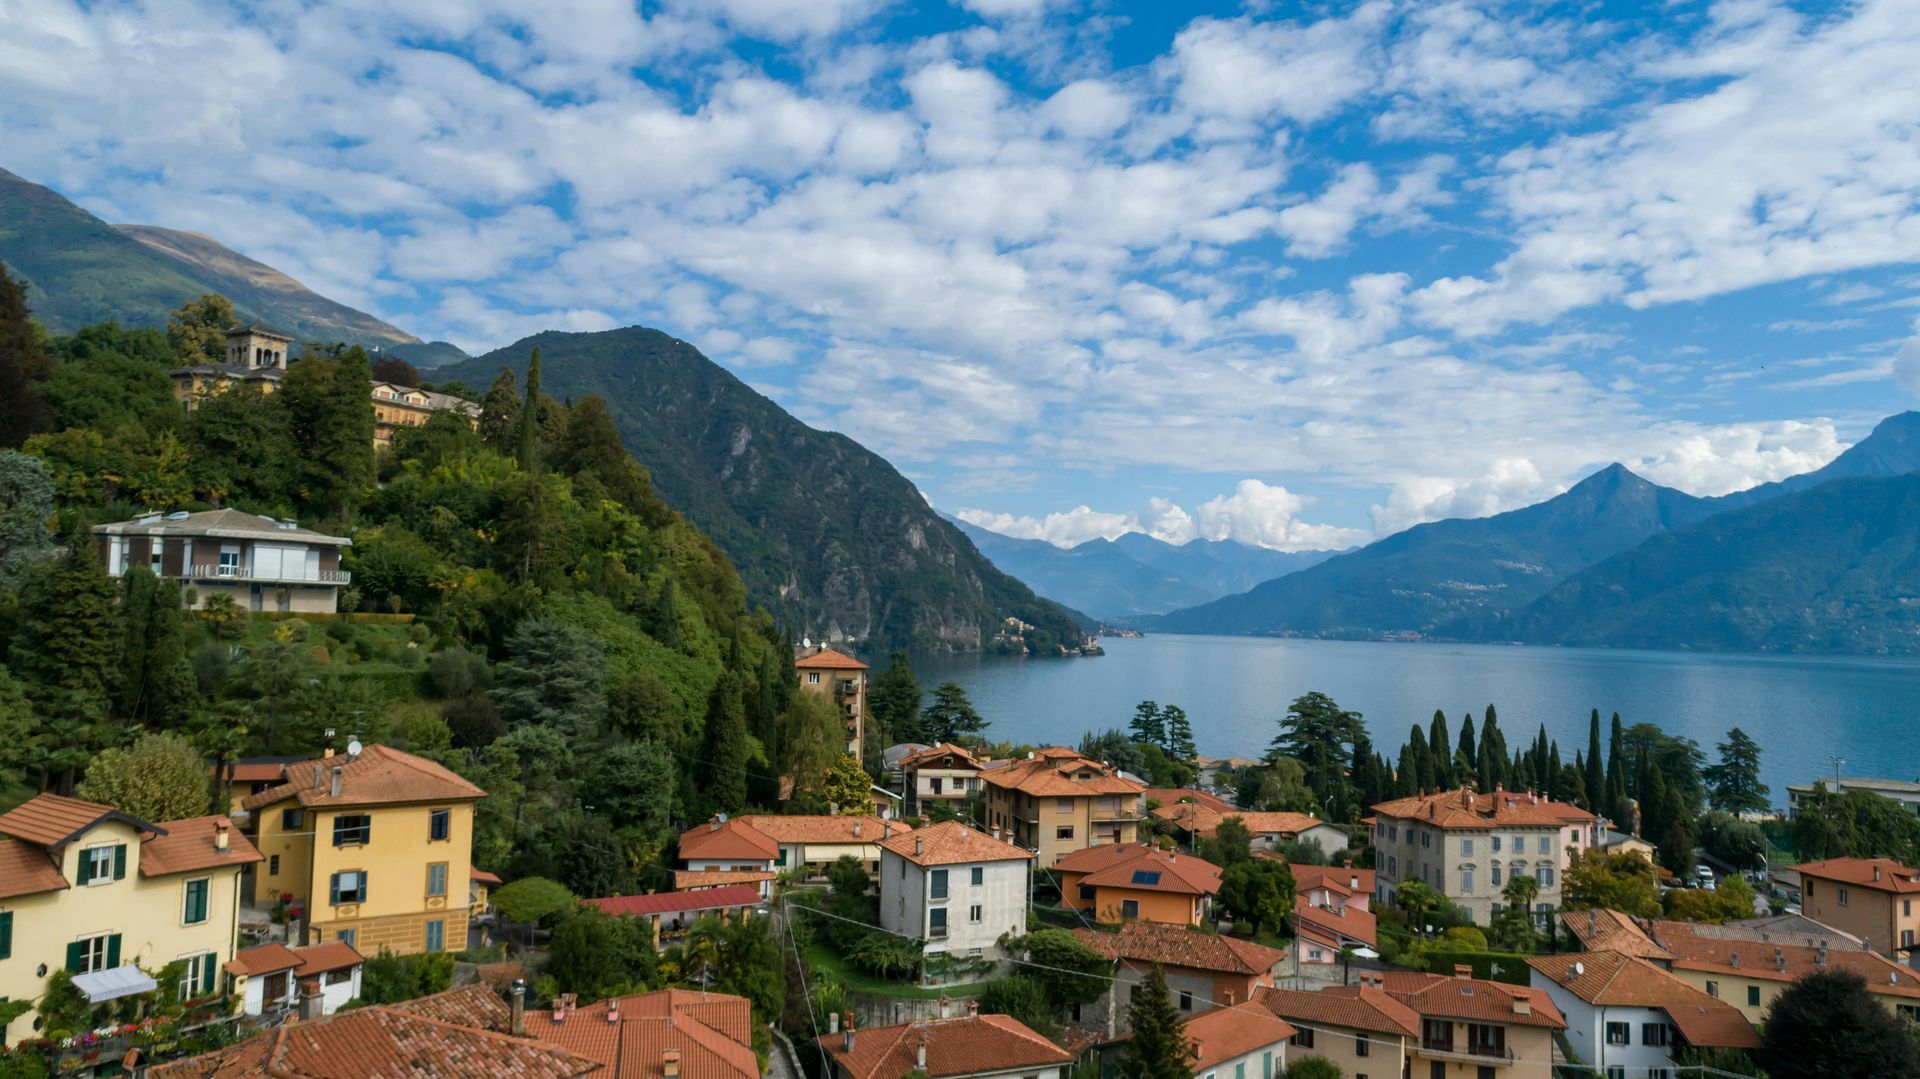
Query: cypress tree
[
  {"x": 725, "y": 748},
  {"x": 1158, "y": 1047},
  {"x": 23, "y": 366},
  {"x": 1468, "y": 754},
  {"x": 1493, "y": 752},
  {"x": 1595, "y": 777},
  {"x": 1617, "y": 764},
  {"x": 1440, "y": 744},
  {"x": 68, "y": 636},
  {"x": 1422, "y": 759},
  {"x": 1406, "y": 778},
  {"x": 500, "y": 412},
  {"x": 529, "y": 440},
  {"x": 154, "y": 686}
]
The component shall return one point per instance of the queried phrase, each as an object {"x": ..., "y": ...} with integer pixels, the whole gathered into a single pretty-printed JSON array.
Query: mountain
[
  {"x": 1120, "y": 580},
  {"x": 1891, "y": 449},
  {"x": 80, "y": 270},
  {"x": 1416, "y": 582},
  {"x": 825, "y": 533},
  {"x": 1831, "y": 569}
]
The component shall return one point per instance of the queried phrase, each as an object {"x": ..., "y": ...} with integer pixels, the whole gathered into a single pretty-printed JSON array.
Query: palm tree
[
  {"x": 221, "y": 610},
  {"x": 1418, "y": 900},
  {"x": 1521, "y": 891}
]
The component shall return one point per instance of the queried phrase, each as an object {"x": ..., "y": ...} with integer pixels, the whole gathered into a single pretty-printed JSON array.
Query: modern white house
[
  {"x": 263, "y": 563},
  {"x": 1629, "y": 1019},
  {"x": 955, "y": 887},
  {"x": 268, "y": 979}
]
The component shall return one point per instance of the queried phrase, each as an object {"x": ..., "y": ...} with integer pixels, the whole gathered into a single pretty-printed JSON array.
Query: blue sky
[{"x": 1294, "y": 274}]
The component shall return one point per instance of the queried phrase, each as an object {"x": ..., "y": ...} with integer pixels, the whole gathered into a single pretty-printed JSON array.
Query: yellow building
[
  {"x": 396, "y": 406},
  {"x": 256, "y": 358},
  {"x": 1056, "y": 802},
  {"x": 375, "y": 849},
  {"x": 845, "y": 678},
  {"x": 89, "y": 889}
]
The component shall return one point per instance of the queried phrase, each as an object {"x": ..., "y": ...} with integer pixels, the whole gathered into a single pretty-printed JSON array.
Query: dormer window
[{"x": 103, "y": 864}]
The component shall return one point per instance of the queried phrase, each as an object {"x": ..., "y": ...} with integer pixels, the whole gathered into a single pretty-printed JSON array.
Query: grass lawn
[{"x": 824, "y": 959}]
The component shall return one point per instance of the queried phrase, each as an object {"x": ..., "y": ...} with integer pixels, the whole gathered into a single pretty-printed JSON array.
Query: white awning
[
  {"x": 122, "y": 981},
  {"x": 1365, "y": 953}
]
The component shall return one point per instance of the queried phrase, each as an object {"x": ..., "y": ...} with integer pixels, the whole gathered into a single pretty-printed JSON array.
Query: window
[
  {"x": 347, "y": 936},
  {"x": 1466, "y": 881},
  {"x": 1486, "y": 1039},
  {"x": 94, "y": 953},
  {"x": 6, "y": 934},
  {"x": 1361, "y": 1046},
  {"x": 937, "y": 884},
  {"x": 813, "y": 678},
  {"x": 197, "y": 980},
  {"x": 1713, "y": 988},
  {"x": 229, "y": 562},
  {"x": 436, "y": 935},
  {"x": 1653, "y": 1034},
  {"x": 1129, "y": 908},
  {"x": 1843, "y": 896},
  {"x": 1426, "y": 839},
  {"x": 1437, "y": 1034},
  {"x": 153, "y": 558},
  {"x": 973, "y": 914},
  {"x": 1393, "y": 865},
  {"x": 1546, "y": 844},
  {"x": 937, "y": 923},
  {"x": 1065, "y": 831},
  {"x": 103, "y": 864},
  {"x": 933, "y": 785},
  {"x": 1494, "y": 876},
  {"x": 1485, "y": 1071},
  {"x": 273, "y": 865},
  {"x": 1619, "y": 1034},
  {"x": 977, "y": 876},
  {"x": 1240, "y": 1070},
  {"x": 352, "y": 829},
  {"x": 1906, "y": 908},
  {"x": 1466, "y": 848},
  {"x": 1266, "y": 1065},
  {"x": 349, "y": 886},
  {"x": 439, "y": 825},
  {"x": 1496, "y": 844},
  {"x": 1088, "y": 893},
  {"x": 1303, "y": 1038},
  {"x": 437, "y": 878},
  {"x": 1544, "y": 874},
  {"x": 1615, "y": 1071},
  {"x": 1186, "y": 1000},
  {"x": 1753, "y": 996},
  {"x": 1906, "y": 938},
  {"x": 292, "y": 820},
  {"x": 194, "y": 909},
  {"x": 1146, "y": 876}
]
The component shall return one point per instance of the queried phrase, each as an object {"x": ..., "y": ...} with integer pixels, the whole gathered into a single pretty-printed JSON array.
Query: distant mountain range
[
  {"x": 81, "y": 270},
  {"x": 1119, "y": 580},
  {"x": 825, "y": 533},
  {"x": 1549, "y": 572}
]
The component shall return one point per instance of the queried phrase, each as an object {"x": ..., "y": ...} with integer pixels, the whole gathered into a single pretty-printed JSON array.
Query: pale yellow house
[
  {"x": 256, "y": 358},
  {"x": 89, "y": 889},
  {"x": 843, "y": 678},
  {"x": 374, "y": 848},
  {"x": 396, "y": 406},
  {"x": 1056, "y": 802}
]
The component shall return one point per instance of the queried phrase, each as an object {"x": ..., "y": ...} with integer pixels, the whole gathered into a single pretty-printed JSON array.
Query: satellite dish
[{"x": 353, "y": 747}]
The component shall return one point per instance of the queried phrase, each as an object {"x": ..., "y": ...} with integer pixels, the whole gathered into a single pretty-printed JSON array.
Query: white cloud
[
  {"x": 1509, "y": 482},
  {"x": 1256, "y": 513},
  {"x": 1733, "y": 457},
  {"x": 1906, "y": 362}
]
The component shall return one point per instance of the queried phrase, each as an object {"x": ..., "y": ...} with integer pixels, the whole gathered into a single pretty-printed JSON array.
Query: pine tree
[
  {"x": 528, "y": 437},
  {"x": 26, "y": 503},
  {"x": 894, "y": 700},
  {"x": 725, "y": 750},
  {"x": 1148, "y": 726},
  {"x": 500, "y": 412},
  {"x": 69, "y": 635},
  {"x": 1596, "y": 775},
  {"x": 329, "y": 403},
  {"x": 1158, "y": 1047},
  {"x": 1179, "y": 744},
  {"x": 1440, "y": 744},
  {"x": 950, "y": 714},
  {"x": 1735, "y": 782},
  {"x": 23, "y": 366}
]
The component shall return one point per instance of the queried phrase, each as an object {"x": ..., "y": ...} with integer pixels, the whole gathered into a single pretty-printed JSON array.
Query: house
[
  {"x": 371, "y": 847},
  {"x": 262, "y": 563},
  {"x": 1124, "y": 882},
  {"x": 1056, "y": 801},
  {"x": 1332, "y": 910},
  {"x": 1203, "y": 970},
  {"x": 973, "y": 1046},
  {"x": 1466, "y": 846},
  {"x": 657, "y": 1035},
  {"x": 671, "y": 913},
  {"x": 480, "y": 886},
  {"x": 731, "y": 846},
  {"x": 256, "y": 358},
  {"x": 89, "y": 889},
  {"x": 1748, "y": 967},
  {"x": 1905, "y": 792},
  {"x": 955, "y": 887},
  {"x": 1200, "y": 818},
  {"x": 843, "y": 678},
  {"x": 1245, "y": 1041},
  {"x": 396, "y": 407},
  {"x": 1162, "y": 797},
  {"x": 693, "y": 880},
  {"x": 942, "y": 773},
  {"x": 1871, "y": 898},
  {"x": 1500, "y": 1031},
  {"x": 1632, "y": 1020},
  {"x": 1360, "y": 1028},
  {"x": 268, "y": 978},
  {"x": 812, "y": 842}
]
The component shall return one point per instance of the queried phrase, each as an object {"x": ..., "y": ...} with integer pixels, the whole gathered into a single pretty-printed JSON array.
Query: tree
[
  {"x": 1320, "y": 735},
  {"x": 388, "y": 978},
  {"x": 1257, "y": 893},
  {"x": 161, "y": 777},
  {"x": 23, "y": 366},
  {"x": 26, "y": 505},
  {"x": 1826, "y": 1026},
  {"x": 1619, "y": 880},
  {"x": 396, "y": 370},
  {"x": 1738, "y": 843},
  {"x": 951, "y": 714},
  {"x": 848, "y": 876},
  {"x": 555, "y": 676},
  {"x": 1734, "y": 784},
  {"x": 894, "y": 700},
  {"x": 1440, "y": 744},
  {"x": 597, "y": 955},
  {"x": 1418, "y": 900},
  {"x": 1854, "y": 824},
  {"x": 1158, "y": 1047},
  {"x": 531, "y": 899},
  {"x": 1314, "y": 1067},
  {"x": 500, "y": 412},
  {"x": 68, "y": 632},
  {"x": 812, "y": 739},
  {"x": 1147, "y": 725},
  {"x": 1179, "y": 744},
  {"x": 1731, "y": 901},
  {"x": 1596, "y": 771},
  {"x": 1068, "y": 972},
  {"x": 1024, "y": 999},
  {"x": 725, "y": 751},
  {"x": 155, "y": 686},
  {"x": 1520, "y": 891},
  {"x": 329, "y": 409},
  {"x": 1230, "y": 844},
  {"x": 527, "y": 438},
  {"x": 197, "y": 329},
  {"x": 849, "y": 786}
]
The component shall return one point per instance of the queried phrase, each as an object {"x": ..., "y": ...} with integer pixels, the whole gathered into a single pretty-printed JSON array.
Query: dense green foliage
[
  {"x": 1826, "y": 1026},
  {"x": 1854, "y": 824},
  {"x": 389, "y": 978},
  {"x": 1159, "y": 1047},
  {"x": 1023, "y": 998}
]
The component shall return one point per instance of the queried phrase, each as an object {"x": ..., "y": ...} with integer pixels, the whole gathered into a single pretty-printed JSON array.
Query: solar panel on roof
[{"x": 1146, "y": 876}]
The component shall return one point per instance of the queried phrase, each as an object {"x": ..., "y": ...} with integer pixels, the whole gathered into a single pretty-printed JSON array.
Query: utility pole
[{"x": 1837, "y": 762}]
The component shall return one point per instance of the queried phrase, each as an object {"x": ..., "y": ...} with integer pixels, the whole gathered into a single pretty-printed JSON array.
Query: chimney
[
  {"x": 920, "y": 1053},
  {"x": 220, "y": 829},
  {"x": 1779, "y": 959},
  {"x": 311, "y": 1005},
  {"x": 1522, "y": 1005},
  {"x": 329, "y": 750},
  {"x": 856, "y": 828},
  {"x": 919, "y": 845},
  {"x": 1876, "y": 874},
  {"x": 1821, "y": 959},
  {"x": 1462, "y": 971},
  {"x": 135, "y": 1064},
  {"x": 613, "y": 1012},
  {"x": 563, "y": 1006},
  {"x": 886, "y": 830},
  {"x": 713, "y": 825},
  {"x": 846, "y": 1032},
  {"x": 945, "y": 1004},
  {"x": 517, "y": 1009},
  {"x": 1230, "y": 999},
  {"x": 1733, "y": 960},
  {"x": 670, "y": 1063},
  {"x": 973, "y": 1009},
  {"x": 833, "y": 1022},
  {"x": 320, "y": 775},
  {"x": 335, "y": 787}
]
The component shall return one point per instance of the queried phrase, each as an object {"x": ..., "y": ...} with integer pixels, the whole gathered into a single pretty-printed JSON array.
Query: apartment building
[
  {"x": 1466, "y": 845},
  {"x": 1056, "y": 801},
  {"x": 1366, "y": 1033},
  {"x": 397, "y": 407},
  {"x": 1631, "y": 1020},
  {"x": 1871, "y": 898},
  {"x": 262, "y": 563},
  {"x": 943, "y": 773},
  {"x": 97, "y": 892},
  {"x": 1124, "y": 882},
  {"x": 844, "y": 679},
  {"x": 955, "y": 887},
  {"x": 375, "y": 847}
]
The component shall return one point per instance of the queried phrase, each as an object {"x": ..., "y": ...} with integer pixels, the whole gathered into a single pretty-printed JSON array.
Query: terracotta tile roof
[
  {"x": 712, "y": 1032},
  {"x": 51, "y": 819},
  {"x": 1348, "y": 923},
  {"x": 1220, "y": 1034},
  {"x": 687, "y": 880},
  {"x": 1339, "y": 879},
  {"x": 823, "y": 828},
  {"x": 940, "y": 755},
  {"x": 829, "y": 659},
  {"x": 1283, "y": 824},
  {"x": 1177, "y": 946},
  {"x": 951, "y": 843},
  {"x": 1779, "y": 960},
  {"x": 1608, "y": 979},
  {"x": 482, "y": 876},
  {"x": 1466, "y": 810},
  {"x": 966, "y": 1046},
  {"x": 1050, "y": 773},
  {"x": 26, "y": 869},
  {"x": 475, "y": 1005},
  {"x": 1879, "y": 874},
  {"x": 312, "y": 959},
  {"x": 260, "y": 771},
  {"x": 727, "y": 839},
  {"x": 188, "y": 845},
  {"x": 1352, "y": 1007},
  {"x": 1170, "y": 796},
  {"x": 1475, "y": 999},
  {"x": 1143, "y": 868},
  {"x": 380, "y": 775},
  {"x": 1604, "y": 930},
  {"x": 1203, "y": 819},
  {"x": 380, "y": 1043},
  {"x": 327, "y": 956},
  {"x": 731, "y": 895}
]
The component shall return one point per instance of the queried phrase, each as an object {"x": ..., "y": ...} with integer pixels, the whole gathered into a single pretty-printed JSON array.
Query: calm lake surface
[{"x": 1800, "y": 709}]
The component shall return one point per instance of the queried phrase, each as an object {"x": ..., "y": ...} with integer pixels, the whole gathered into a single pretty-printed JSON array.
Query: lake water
[{"x": 1235, "y": 689}]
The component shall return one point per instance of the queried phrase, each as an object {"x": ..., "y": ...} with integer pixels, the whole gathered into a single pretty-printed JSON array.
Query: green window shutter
[
  {"x": 333, "y": 890},
  {"x": 85, "y": 876},
  {"x": 113, "y": 951},
  {"x": 76, "y": 954},
  {"x": 6, "y": 934},
  {"x": 120, "y": 861},
  {"x": 210, "y": 966}
]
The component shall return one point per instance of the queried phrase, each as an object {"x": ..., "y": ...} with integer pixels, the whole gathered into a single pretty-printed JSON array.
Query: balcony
[
  {"x": 1471, "y": 1054},
  {"x": 1112, "y": 812},
  {"x": 209, "y": 572}
]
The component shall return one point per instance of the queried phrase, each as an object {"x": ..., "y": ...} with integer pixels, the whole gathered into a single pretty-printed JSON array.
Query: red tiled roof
[
  {"x": 380, "y": 1043},
  {"x": 829, "y": 659},
  {"x": 940, "y": 755},
  {"x": 823, "y": 828},
  {"x": 732, "y": 895},
  {"x": 474, "y": 1005},
  {"x": 379, "y": 775},
  {"x": 1204, "y": 819},
  {"x": 688, "y": 880},
  {"x": 712, "y": 1032},
  {"x": 481, "y": 875},
  {"x": 258, "y": 771},
  {"x": 1879, "y": 874},
  {"x": 1344, "y": 880},
  {"x": 1168, "y": 796},
  {"x": 1473, "y": 999},
  {"x": 966, "y": 1046},
  {"x": 1608, "y": 979},
  {"x": 51, "y": 819},
  {"x": 1604, "y": 930},
  {"x": 26, "y": 869},
  {"x": 1122, "y": 865},
  {"x": 727, "y": 839},
  {"x": 1466, "y": 810},
  {"x": 312, "y": 959},
  {"x": 1352, "y": 1007},
  {"x": 188, "y": 845},
  {"x": 1049, "y": 774},
  {"x": 1221, "y": 1034},
  {"x": 951, "y": 843},
  {"x": 1349, "y": 923},
  {"x": 1775, "y": 959},
  {"x": 1177, "y": 946}
]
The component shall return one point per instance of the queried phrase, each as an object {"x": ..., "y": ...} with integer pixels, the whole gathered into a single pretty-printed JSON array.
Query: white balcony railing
[{"x": 216, "y": 572}]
